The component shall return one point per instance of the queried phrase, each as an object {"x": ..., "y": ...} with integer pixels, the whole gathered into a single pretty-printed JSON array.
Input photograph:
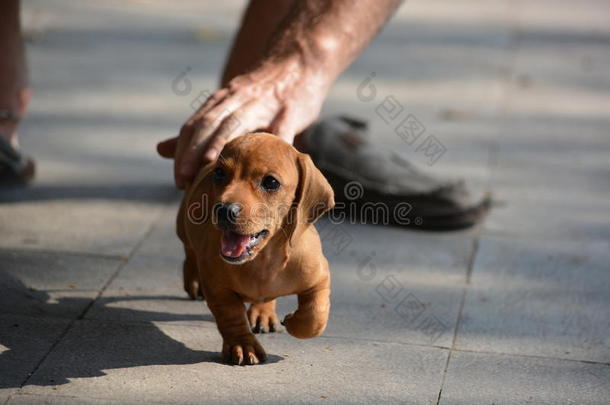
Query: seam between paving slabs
[
  {"x": 485, "y": 352},
  {"x": 473, "y": 255},
  {"x": 513, "y": 36},
  {"x": 532, "y": 356},
  {"x": 121, "y": 265},
  {"x": 79, "y": 397},
  {"x": 453, "y": 349},
  {"x": 80, "y": 253},
  {"x": 533, "y": 237}
]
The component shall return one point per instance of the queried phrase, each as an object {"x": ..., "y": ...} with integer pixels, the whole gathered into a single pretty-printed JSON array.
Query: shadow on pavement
[
  {"x": 146, "y": 193},
  {"x": 88, "y": 347}
]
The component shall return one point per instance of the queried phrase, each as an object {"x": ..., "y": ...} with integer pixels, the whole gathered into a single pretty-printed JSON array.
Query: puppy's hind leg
[
  {"x": 190, "y": 274},
  {"x": 263, "y": 318}
]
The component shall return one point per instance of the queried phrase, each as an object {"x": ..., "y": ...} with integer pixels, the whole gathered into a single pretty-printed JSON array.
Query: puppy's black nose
[{"x": 227, "y": 213}]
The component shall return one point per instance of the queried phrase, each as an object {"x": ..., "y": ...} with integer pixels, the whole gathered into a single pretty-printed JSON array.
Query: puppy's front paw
[
  {"x": 262, "y": 317},
  {"x": 304, "y": 326},
  {"x": 243, "y": 351}
]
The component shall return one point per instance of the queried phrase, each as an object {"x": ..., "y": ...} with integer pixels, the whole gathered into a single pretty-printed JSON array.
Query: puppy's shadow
[{"x": 89, "y": 346}]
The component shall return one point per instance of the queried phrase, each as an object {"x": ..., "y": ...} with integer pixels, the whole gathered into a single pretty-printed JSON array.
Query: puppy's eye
[
  {"x": 219, "y": 175},
  {"x": 270, "y": 183}
]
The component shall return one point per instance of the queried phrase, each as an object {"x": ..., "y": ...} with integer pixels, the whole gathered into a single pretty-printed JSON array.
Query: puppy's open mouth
[{"x": 236, "y": 248}]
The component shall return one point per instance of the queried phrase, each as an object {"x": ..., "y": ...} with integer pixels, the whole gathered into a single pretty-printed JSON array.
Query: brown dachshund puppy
[{"x": 247, "y": 227}]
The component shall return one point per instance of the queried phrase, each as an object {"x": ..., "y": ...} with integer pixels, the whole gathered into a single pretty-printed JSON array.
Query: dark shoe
[
  {"x": 362, "y": 177},
  {"x": 15, "y": 169}
]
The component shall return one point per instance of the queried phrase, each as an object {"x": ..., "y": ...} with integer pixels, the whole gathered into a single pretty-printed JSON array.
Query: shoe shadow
[
  {"x": 52, "y": 350},
  {"x": 148, "y": 193}
]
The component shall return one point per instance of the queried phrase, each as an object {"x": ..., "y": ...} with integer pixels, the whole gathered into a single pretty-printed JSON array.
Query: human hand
[{"x": 283, "y": 98}]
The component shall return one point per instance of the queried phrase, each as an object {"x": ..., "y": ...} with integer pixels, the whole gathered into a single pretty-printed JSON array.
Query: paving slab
[
  {"x": 538, "y": 297},
  {"x": 394, "y": 285},
  {"x": 24, "y": 399},
  {"x": 57, "y": 284},
  {"x": 478, "y": 378},
  {"x": 91, "y": 210},
  {"x": 180, "y": 364},
  {"x": 24, "y": 341},
  {"x": 550, "y": 177},
  {"x": 561, "y": 216},
  {"x": 149, "y": 286},
  {"x": 7, "y": 393},
  {"x": 552, "y": 167}
]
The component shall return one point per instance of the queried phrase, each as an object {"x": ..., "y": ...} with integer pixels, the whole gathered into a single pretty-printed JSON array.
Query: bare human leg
[
  {"x": 259, "y": 22},
  {"x": 14, "y": 90},
  {"x": 15, "y": 169}
]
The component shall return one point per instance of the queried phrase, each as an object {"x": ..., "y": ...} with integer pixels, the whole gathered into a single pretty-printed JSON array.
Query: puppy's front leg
[
  {"x": 239, "y": 345},
  {"x": 310, "y": 319}
]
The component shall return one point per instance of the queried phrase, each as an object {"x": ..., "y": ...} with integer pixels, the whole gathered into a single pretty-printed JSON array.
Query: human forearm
[{"x": 324, "y": 37}]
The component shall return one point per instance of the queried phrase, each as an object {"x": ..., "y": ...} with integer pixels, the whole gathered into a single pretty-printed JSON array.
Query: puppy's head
[{"x": 261, "y": 189}]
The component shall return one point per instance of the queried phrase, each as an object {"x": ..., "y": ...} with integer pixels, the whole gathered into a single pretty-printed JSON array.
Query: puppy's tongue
[{"x": 233, "y": 244}]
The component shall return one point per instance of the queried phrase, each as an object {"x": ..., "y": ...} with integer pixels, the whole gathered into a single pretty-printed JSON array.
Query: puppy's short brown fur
[{"x": 247, "y": 227}]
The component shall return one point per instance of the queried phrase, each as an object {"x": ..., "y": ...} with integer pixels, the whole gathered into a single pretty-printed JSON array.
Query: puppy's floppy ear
[
  {"x": 313, "y": 198},
  {"x": 196, "y": 207}
]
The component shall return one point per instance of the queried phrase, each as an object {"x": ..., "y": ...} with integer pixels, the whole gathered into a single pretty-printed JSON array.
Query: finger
[
  {"x": 207, "y": 125},
  {"x": 284, "y": 127},
  {"x": 230, "y": 128},
  {"x": 208, "y": 104},
  {"x": 184, "y": 139},
  {"x": 247, "y": 118},
  {"x": 184, "y": 172},
  {"x": 286, "y": 132},
  {"x": 167, "y": 148}
]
